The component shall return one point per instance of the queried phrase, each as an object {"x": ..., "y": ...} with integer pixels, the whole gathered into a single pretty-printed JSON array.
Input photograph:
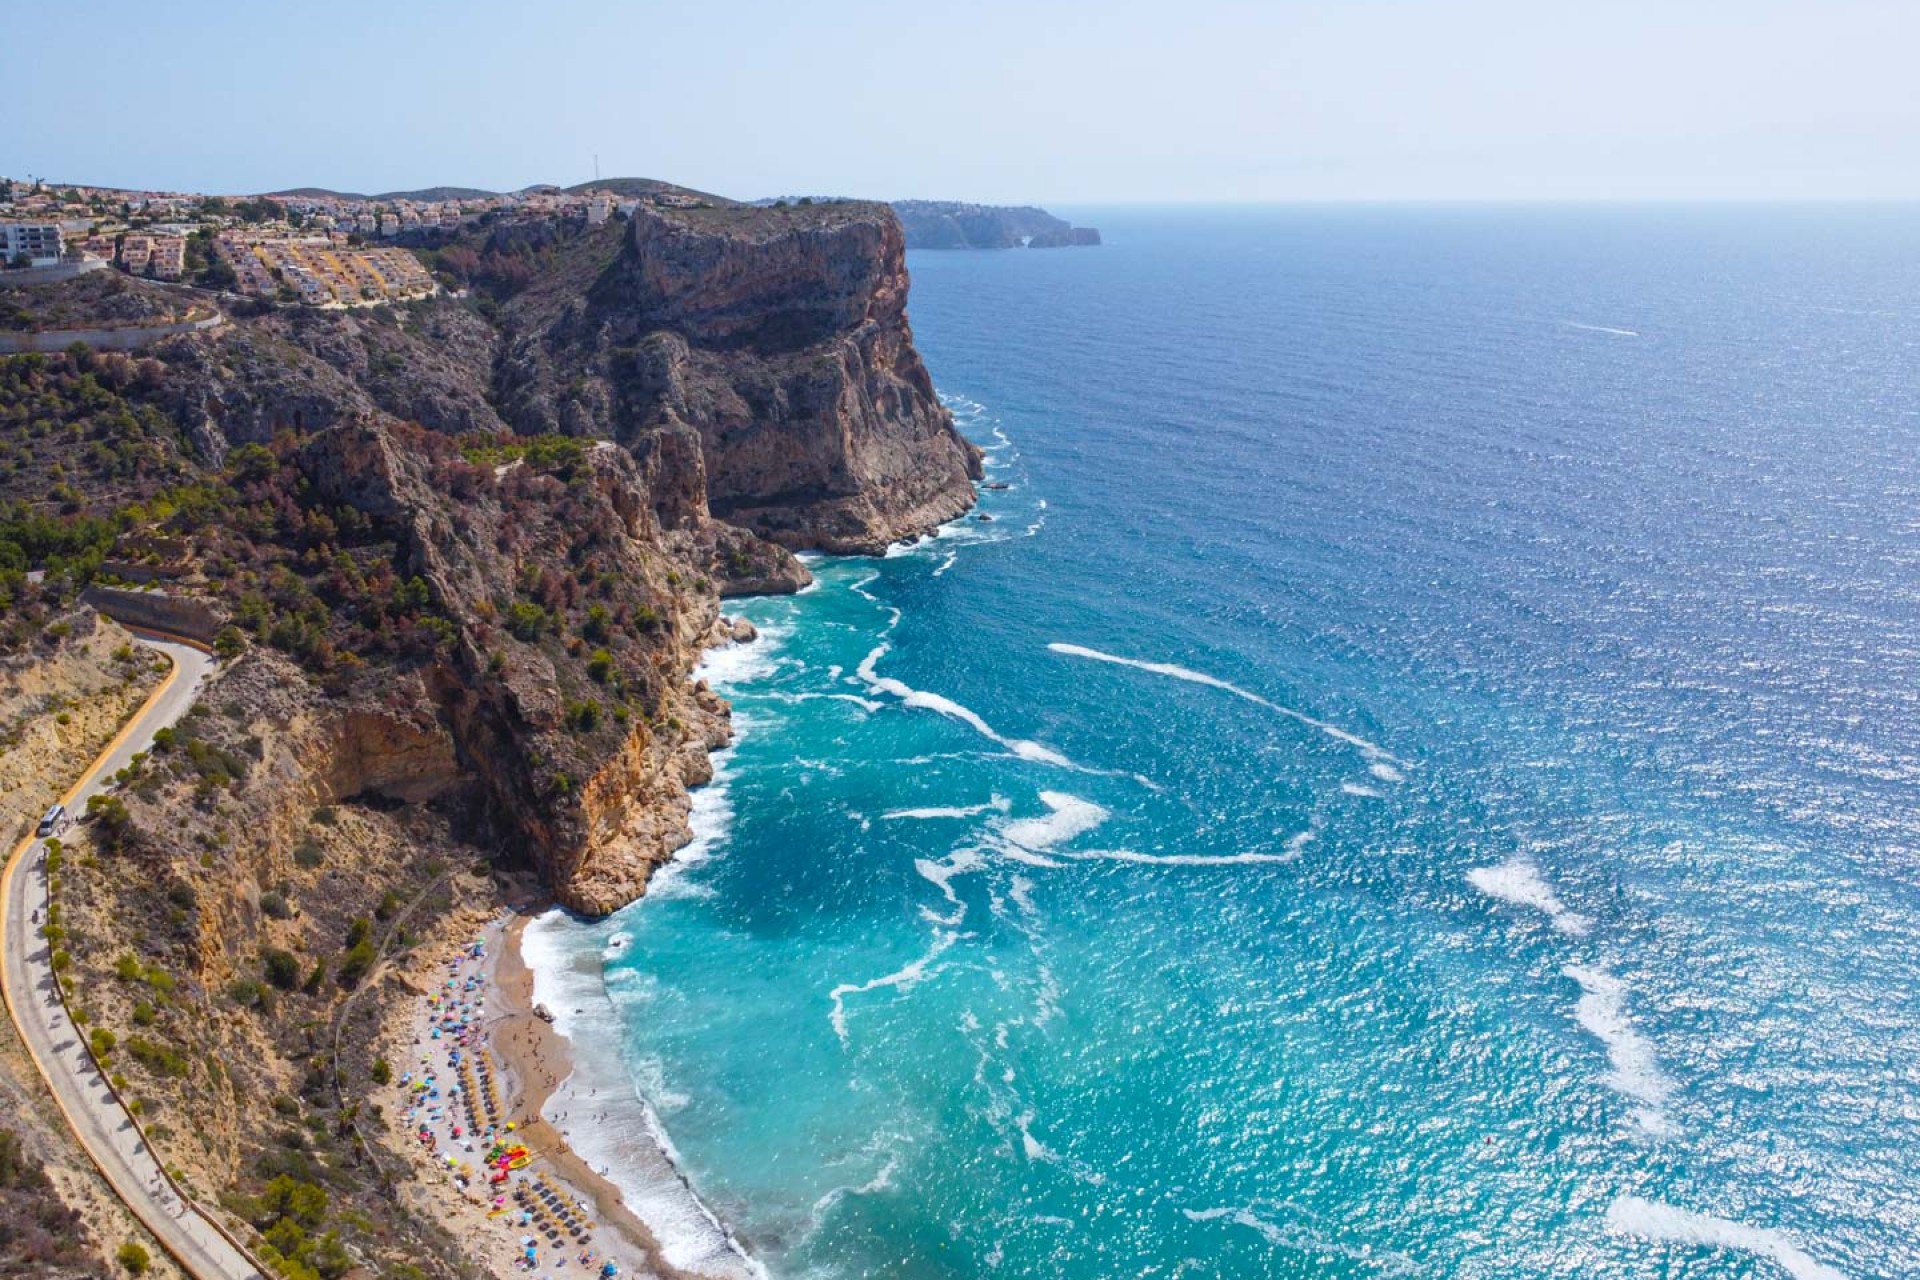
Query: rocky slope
[
  {"x": 780, "y": 336},
  {"x": 952, "y": 224},
  {"x": 467, "y": 553},
  {"x": 516, "y": 512}
]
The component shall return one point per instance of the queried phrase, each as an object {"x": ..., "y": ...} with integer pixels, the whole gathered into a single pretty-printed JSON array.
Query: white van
[{"x": 50, "y": 823}]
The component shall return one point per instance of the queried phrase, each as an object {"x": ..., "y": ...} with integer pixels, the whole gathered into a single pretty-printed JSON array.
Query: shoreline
[{"x": 532, "y": 1061}]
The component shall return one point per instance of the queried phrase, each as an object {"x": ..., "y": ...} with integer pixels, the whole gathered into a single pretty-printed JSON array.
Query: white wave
[
  {"x": 1518, "y": 881},
  {"x": 947, "y": 563},
  {"x": 1299, "y": 842},
  {"x": 1070, "y": 816},
  {"x": 999, "y": 804},
  {"x": 905, "y": 978},
  {"x": 1651, "y": 1220},
  {"x": 1601, "y": 328},
  {"x": 711, "y": 820},
  {"x": 954, "y": 711},
  {"x": 1036, "y": 1150},
  {"x": 1180, "y": 859},
  {"x": 726, "y": 665},
  {"x": 941, "y": 875},
  {"x": 865, "y": 704},
  {"x": 1308, "y": 1239},
  {"x": 1356, "y": 789},
  {"x": 1385, "y": 764},
  {"x": 632, "y": 1144},
  {"x": 879, "y": 1182},
  {"x": 1636, "y": 1073}
]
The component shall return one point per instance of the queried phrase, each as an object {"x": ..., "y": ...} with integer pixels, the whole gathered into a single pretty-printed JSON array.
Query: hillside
[
  {"x": 951, "y": 224},
  {"x": 463, "y": 555}
]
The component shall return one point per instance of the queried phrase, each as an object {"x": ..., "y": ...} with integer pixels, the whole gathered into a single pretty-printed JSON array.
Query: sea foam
[
  {"x": 904, "y": 978},
  {"x": 631, "y": 1144},
  {"x": 947, "y": 707},
  {"x": 1636, "y": 1073},
  {"x": 1383, "y": 764},
  {"x": 1518, "y": 881},
  {"x": 1651, "y": 1220}
]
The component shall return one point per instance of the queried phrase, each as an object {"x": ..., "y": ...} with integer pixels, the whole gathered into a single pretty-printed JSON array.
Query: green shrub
[
  {"x": 274, "y": 904},
  {"x": 358, "y": 960},
  {"x": 361, "y": 930},
  {"x": 133, "y": 1256},
  {"x": 157, "y": 1058},
  {"x": 382, "y": 1072},
  {"x": 282, "y": 968},
  {"x": 389, "y": 906},
  {"x": 309, "y": 854},
  {"x": 143, "y": 1014}
]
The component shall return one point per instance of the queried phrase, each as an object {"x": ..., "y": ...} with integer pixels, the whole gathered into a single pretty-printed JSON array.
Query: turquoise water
[{"x": 1498, "y": 859}]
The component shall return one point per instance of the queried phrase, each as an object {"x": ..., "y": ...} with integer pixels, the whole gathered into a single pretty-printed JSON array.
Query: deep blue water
[{"x": 1508, "y": 863}]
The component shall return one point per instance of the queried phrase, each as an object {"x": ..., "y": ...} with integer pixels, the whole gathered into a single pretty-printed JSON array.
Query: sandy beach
[{"x": 470, "y": 1021}]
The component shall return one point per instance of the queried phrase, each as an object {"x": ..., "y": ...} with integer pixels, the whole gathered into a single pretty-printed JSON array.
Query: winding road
[{"x": 105, "y": 1130}]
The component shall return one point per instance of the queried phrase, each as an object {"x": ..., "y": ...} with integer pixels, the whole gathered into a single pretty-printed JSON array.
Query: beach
[{"x": 473, "y": 1068}]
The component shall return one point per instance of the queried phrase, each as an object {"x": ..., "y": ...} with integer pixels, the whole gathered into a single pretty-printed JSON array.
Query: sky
[{"x": 993, "y": 100}]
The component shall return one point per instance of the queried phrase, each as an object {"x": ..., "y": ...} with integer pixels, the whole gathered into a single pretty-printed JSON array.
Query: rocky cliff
[
  {"x": 780, "y": 336},
  {"x": 523, "y": 506}
]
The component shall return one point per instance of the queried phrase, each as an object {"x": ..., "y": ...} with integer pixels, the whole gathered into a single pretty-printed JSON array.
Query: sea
[{"x": 1414, "y": 770}]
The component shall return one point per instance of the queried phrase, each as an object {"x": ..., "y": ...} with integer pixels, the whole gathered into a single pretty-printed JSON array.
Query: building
[
  {"x": 169, "y": 261},
  {"x": 599, "y": 209},
  {"x": 39, "y": 243},
  {"x": 135, "y": 252}
]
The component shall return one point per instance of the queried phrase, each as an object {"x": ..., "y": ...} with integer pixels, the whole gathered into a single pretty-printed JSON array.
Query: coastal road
[{"x": 95, "y": 1115}]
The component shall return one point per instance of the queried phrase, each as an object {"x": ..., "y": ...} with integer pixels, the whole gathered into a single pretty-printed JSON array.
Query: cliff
[
  {"x": 951, "y": 224},
  {"x": 780, "y": 336},
  {"x": 525, "y": 505}
]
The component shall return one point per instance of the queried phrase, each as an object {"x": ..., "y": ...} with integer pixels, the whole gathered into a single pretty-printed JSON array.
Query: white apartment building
[{"x": 39, "y": 242}]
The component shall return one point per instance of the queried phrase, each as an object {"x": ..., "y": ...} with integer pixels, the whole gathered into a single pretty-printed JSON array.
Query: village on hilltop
[{"x": 311, "y": 249}]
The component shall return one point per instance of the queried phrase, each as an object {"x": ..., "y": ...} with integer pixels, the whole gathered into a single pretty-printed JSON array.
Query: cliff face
[
  {"x": 736, "y": 382},
  {"x": 780, "y": 336}
]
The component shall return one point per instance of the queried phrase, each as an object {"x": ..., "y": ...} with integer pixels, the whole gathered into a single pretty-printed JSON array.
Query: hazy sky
[{"x": 988, "y": 100}]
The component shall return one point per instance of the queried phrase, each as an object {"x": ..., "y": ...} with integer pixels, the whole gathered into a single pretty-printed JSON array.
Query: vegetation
[
  {"x": 36, "y": 1229},
  {"x": 133, "y": 1256}
]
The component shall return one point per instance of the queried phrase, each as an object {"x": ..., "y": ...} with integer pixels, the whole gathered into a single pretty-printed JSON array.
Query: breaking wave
[
  {"x": 1518, "y": 881},
  {"x": 1651, "y": 1220},
  {"x": 1385, "y": 765}
]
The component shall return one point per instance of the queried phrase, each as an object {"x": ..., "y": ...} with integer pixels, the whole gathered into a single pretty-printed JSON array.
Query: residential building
[{"x": 40, "y": 243}]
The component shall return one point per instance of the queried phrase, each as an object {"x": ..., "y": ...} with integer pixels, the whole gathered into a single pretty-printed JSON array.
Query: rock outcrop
[
  {"x": 951, "y": 224},
  {"x": 728, "y": 384},
  {"x": 780, "y": 337}
]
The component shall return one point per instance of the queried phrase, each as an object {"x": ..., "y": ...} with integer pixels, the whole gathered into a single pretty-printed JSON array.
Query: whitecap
[
  {"x": 1384, "y": 764},
  {"x": 945, "y": 706},
  {"x": 1305, "y": 1238},
  {"x": 1518, "y": 881},
  {"x": 941, "y": 875},
  {"x": 1635, "y": 1073},
  {"x": 1601, "y": 328},
  {"x": 1069, "y": 816},
  {"x": 904, "y": 978},
  {"x": 1651, "y": 1220},
  {"x": 998, "y": 804},
  {"x": 1181, "y": 859},
  {"x": 1357, "y": 789}
]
